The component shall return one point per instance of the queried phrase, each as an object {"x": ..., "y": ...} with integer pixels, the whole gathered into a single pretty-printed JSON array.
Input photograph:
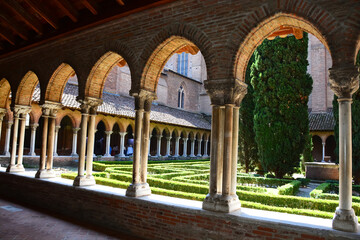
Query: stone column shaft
[
  {"x": 14, "y": 143},
  {"x": 90, "y": 148},
  {"x": 192, "y": 150},
  {"x": 177, "y": 141},
  {"x": 137, "y": 145},
  {"x": 235, "y": 147},
  {"x": 185, "y": 147},
  {"x": 206, "y": 148},
  {"x": 168, "y": 142},
  {"x": 108, "y": 137},
  {"x": 145, "y": 147},
  {"x": 21, "y": 143},
  {"x": 228, "y": 131},
  {"x": 74, "y": 142},
  {"x": 50, "y": 147},
  {"x": 158, "y": 152},
  {"x": 323, "y": 151},
  {"x": 44, "y": 136},
  {"x": 32, "y": 139},
  {"x": 122, "y": 144},
  {"x": 7, "y": 138},
  {"x": 83, "y": 132},
  {"x": 57, "y": 128},
  {"x": 199, "y": 147}
]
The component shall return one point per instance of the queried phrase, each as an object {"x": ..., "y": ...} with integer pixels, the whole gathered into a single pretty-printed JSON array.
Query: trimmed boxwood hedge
[
  {"x": 289, "y": 189},
  {"x": 320, "y": 192}
]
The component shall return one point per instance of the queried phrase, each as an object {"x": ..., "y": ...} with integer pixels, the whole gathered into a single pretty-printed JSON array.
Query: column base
[
  {"x": 219, "y": 203},
  {"x": 74, "y": 155},
  {"x": 345, "y": 220},
  {"x": 84, "y": 181},
  {"x": 32, "y": 154},
  {"x": 138, "y": 190},
  {"x": 6, "y": 154},
  {"x": 192, "y": 155},
  {"x": 15, "y": 168},
  {"x": 107, "y": 155},
  {"x": 44, "y": 173}
]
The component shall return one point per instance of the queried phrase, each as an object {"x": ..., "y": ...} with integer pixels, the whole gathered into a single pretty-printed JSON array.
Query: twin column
[
  {"x": 50, "y": 110},
  {"x": 223, "y": 152},
  {"x": 88, "y": 115},
  {"x": 139, "y": 186}
]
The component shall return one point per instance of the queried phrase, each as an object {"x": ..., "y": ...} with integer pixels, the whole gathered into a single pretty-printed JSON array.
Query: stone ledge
[{"x": 110, "y": 208}]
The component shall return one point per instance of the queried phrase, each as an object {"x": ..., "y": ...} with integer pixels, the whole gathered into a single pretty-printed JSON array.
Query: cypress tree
[
  {"x": 248, "y": 151},
  {"x": 281, "y": 89},
  {"x": 355, "y": 112}
]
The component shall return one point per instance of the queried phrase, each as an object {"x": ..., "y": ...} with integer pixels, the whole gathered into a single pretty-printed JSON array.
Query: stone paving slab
[{"x": 23, "y": 223}]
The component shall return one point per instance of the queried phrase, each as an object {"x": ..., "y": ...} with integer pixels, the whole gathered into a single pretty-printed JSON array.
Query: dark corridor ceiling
[{"x": 28, "y": 23}]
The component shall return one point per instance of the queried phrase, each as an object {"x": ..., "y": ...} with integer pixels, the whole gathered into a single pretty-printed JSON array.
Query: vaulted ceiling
[{"x": 27, "y": 23}]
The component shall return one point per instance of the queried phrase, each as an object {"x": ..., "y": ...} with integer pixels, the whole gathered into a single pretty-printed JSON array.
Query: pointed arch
[
  {"x": 57, "y": 83},
  {"x": 26, "y": 89},
  {"x": 5, "y": 90},
  {"x": 257, "y": 35}
]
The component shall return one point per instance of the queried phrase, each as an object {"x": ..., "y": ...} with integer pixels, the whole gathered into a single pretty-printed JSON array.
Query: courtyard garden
[{"x": 189, "y": 179}]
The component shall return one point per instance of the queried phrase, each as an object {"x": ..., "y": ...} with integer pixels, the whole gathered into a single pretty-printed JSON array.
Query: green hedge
[
  {"x": 321, "y": 192},
  {"x": 322, "y": 188},
  {"x": 261, "y": 181},
  {"x": 289, "y": 189}
]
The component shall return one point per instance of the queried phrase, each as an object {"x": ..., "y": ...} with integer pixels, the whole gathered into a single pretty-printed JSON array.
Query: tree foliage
[
  {"x": 248, "y": 151},
  {"x": 281, "y": 89},
  {"x": 355, "y": 112}
]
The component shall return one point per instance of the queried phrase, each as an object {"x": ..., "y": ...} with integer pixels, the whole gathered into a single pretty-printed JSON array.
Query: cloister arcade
[{"x": 226, "y": 45}]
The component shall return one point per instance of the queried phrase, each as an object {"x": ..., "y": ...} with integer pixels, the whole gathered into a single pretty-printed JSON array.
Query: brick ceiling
[{"x": 27, "y": 23}]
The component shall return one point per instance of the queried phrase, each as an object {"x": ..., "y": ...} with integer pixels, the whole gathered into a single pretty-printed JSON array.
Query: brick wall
[{"x": 156, "y": 217}]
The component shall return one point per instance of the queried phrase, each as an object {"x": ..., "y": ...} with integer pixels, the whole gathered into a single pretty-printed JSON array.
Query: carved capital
[
  {"x": 2, "y": 113},
  {"x": 57, "y": 128},
  {"x": 75, "y": 130},
  {"x": 344, "y": 81},
  {"x": 34, "y": 126},
  {"x": 21, "y": 111},
  {"x": 50, "y": 108},
  {"x": 89, "y": 104},
  {"x": 108, "y": 132},
  {"x": 143, "y": 99},
  {"x": 225, "y": 91}
]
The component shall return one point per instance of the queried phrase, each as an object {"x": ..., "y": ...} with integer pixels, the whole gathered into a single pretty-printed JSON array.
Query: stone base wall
[
  {"x": 157, "y": 217},
  {"x": 322, "y": 171}
]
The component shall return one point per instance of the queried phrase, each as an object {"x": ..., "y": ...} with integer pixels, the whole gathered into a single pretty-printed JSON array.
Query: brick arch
[
  {"x": 5, "y": 90},
  {"x": 104, "y": 120},
  {"x": 167, "y": 132},
  {"x": 263, "y": 29},
  {"x": 26, "y": 89},
  {"x": 61, "y": 116},
  {"x": 164, "y": 45},
  {"x": 57, "y": 83}
]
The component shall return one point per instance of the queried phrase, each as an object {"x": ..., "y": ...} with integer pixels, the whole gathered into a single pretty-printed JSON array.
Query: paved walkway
[
  {"x": 305, "y": 192},
  {"x": 23, "y": 223}
]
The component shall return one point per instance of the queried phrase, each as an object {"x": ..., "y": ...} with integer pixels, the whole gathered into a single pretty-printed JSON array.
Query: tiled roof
[
  {"x": 323, "y": 121},
  {"x": 124, "y": 106}
]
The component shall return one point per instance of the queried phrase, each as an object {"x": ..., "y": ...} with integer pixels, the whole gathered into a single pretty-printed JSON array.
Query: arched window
[
  {"x": 183, "y": 64},
  {"x": 181, "y": 97}
]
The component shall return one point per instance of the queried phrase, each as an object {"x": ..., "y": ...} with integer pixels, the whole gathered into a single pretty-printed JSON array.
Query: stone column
[
  {"x": 7, "y": 138},
  {"x": 74, "y": 143},
  {"x": 107, "y": 150},
  {"x": 88, "y": 106},
  {"x": 226, "y": 96},
  {"x": 344, "y": 82},
  {"x": 2, "y": 114},
  {"x": 323, "y": 152},
  {"x": 206, "y": 148},
  {"x": 168, "y": 142},
  {"x": 192, "y": 152},
  {"x": 139, "y": 186},
  {"x": 185, "y": 147},
  {"x": 122, "y": 144},
  {"x": 20, "y": 113},
  {"x": 50, "y": 147},
  {"x": 150, "y": 136},
  {"x": 41, "y": 173},
  {"x": 177, "y": 142},
  {"x": 32, "y": 139},
  {"x": 57, "y": 128},
  {"x": 199, "y": 147},
  {"x": 158, "y": 152}
]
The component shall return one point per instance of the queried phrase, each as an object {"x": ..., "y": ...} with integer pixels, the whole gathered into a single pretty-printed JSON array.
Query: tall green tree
[
  {"x": 281, "y": 89},
  {"x": 248, "y": 151},
  {"x": 355, "y": 112}
]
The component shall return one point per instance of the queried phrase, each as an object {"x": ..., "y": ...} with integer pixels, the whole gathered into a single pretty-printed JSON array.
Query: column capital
[
  {"x": 159, "y": 136},
  {"x": 143, "y": 99},
  {"x": 168, "y": 138},
  {"x": 2, "y": 113},
  {"x": 21, "y": 109},
  {"x": 178, "y": 138},
  {"x": 50, "y": 108},
  {"x": 122, "y": 134},
  {"x": 225, "y": 91},
  {"x": 108, "y": 132},
  {"x": 185, "y": 139},
  {"x": 75, "y": 130},
  {"x": 34, "y": 126},
  {"x": 89, "y": 105},
  {"x": 57, "y": 128},
  {"x": 344, "y": 81}
]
